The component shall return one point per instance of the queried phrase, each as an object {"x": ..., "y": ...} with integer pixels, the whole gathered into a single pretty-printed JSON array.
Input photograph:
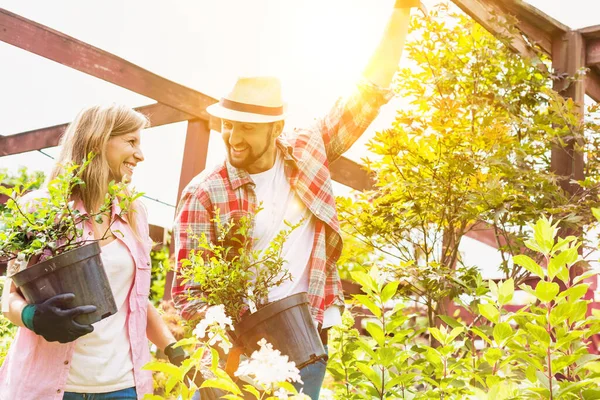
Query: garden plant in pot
[
  {"x": 44, "y": 236},
  {"x": 229, "y": 272}
]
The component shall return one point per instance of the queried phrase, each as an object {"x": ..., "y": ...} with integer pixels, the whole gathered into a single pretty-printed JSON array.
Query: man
[{"x": 290, "y": 178}]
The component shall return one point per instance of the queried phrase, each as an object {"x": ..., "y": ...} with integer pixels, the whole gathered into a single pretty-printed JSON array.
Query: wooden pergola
[{"x": 569, "y": 49}]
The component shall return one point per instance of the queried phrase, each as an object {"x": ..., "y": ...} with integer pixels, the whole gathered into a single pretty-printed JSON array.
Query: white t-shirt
[
  {"x": 280, "y": 203},
  {"x": 102, "y": 359}
]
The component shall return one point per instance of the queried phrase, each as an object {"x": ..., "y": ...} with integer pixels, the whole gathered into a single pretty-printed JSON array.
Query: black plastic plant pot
[
  {"x": 288, "y": 326},
  {"x": 79, "y": 271}
]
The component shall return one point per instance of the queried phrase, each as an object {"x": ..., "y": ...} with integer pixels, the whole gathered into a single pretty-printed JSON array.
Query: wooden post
[
  {"x": 568, "y": 57},
  {"x": 194, "y": 162}
]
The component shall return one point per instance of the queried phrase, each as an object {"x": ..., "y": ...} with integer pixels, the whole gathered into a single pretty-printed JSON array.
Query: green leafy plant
[
  {"x": 539, "y": 351},
  {"x": 469, "y": 152},
  {"x": 269, "y": 374},
  {"x": 230, "y": 273},
  {"x": 160, "y": 266},
  {"x": 46, "y": 227}
]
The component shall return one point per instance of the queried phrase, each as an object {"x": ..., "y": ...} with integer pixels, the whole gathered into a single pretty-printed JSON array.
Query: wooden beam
[
  {"x": 525, "y": 12},
  {"x": 343, "y": 170},
  {"x": 56, "y": 46},
  {"x": 592, "y": 52},
  {"x": 592, "y": 83},
  {"x": 350, "y": 173},
  {"x": 159, "y": 114},
  {"x": 195, "y": 153},
  {"x": 66, "y": 50},
  {"x": 487, "y": 14},
  {"x": 591, "y": 32}
]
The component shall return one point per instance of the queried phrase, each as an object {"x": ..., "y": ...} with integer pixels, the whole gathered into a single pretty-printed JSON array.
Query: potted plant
[
  {"x": 45, "y": 237},
  {"x": 229, "y": 273}
]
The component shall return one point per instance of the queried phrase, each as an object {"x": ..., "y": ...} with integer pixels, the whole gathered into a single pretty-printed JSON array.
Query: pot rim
[
  {"x": 55, "y": 263},
  {"x": 251, "y": 320}
]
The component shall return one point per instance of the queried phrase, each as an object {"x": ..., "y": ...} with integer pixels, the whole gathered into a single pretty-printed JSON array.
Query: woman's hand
[{"x": 54, "y": 320}]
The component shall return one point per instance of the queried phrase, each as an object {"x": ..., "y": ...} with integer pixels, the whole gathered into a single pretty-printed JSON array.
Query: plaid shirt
[{"x": 307, "y": 154}]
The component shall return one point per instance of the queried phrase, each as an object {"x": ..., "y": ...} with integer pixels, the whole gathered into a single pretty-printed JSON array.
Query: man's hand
[
  {"x": 176, "y": 355},
  {"x": 54, "y": 320},
  {"x": 411, "y": 4},
  {"x": 407, "y": 3}
]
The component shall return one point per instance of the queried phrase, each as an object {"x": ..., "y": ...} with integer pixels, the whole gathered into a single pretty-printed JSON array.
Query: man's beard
[{"x": 252, "y": 156}]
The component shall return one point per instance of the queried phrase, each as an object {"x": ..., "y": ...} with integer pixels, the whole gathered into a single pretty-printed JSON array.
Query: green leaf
[
  {"x": 596, "y": 213},
  {"x": 451, "y": 322},
  {"x": 481, "y": 334},
  {"x": 502, "y": 331},
  {"x": 546, "y": 291},
  {"x": 366, "y": 301},
  {"x": 560, "y": 313},
  {"x": 166, "y": 368},
  {"x": 365, "y": 280},
  {"x": 530, "y": 265},
  {"x": 506, "y": 291},
  {"x": 389, "y": 291},
  {"x": 544, "y": 233},
  {"x": 252, "y": 389},
  {"x": 223, "y": 384},
  {"x": 575, "y": 293},
  {"x": 454, "y": 333},
  {"x": 490, "y": 312},
  {"x": 539, "y": 333},
  {"x": 376, "y": 333},
  {"x": 492, "y": 355},
  {"x": 437, "y": 334},
  {"x": 578, "y": 311},
  {"x": 583, "y": 276},
  {"x": 370, "y": 374}
]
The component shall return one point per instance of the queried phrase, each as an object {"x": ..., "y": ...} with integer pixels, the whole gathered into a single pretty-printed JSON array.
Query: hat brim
[{"x": 217, "y": 110}]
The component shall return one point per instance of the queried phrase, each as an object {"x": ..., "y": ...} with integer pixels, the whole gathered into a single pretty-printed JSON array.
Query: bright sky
[{"x": 317, "y": 47}]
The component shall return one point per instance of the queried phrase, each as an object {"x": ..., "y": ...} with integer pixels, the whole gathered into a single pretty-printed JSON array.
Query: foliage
[
  {"x": 46, "y": 227},
  {"x": 22, "y": 177},
  {"x": 160, "y": 266},
  {"x": 230, "y": 273},
  {"x": 271, "y": 372},
  {"x": 471, "y": 151},
  {"x": 539, "y": 351}
]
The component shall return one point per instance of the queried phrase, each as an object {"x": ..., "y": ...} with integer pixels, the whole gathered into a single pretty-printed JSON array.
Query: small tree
[{"x": 471, "y": 150}]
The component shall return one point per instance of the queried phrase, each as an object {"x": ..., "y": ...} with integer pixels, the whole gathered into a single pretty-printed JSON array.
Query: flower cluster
[
  {"x": 268, "y": 367},
  {"x": 215, "y": 324}
]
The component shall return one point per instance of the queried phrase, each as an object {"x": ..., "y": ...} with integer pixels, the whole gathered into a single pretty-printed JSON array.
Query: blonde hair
[{"x": 90, "y": 132}]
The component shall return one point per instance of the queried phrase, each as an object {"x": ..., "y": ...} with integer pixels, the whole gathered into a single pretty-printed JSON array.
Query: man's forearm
[{"x": 384, "y": 62}]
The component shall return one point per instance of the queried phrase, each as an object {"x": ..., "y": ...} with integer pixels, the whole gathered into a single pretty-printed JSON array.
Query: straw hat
[{"x": 252, "y": 99}]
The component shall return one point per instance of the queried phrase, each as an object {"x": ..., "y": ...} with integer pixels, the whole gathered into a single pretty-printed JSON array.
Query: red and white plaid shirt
[{"x": 307, "y": 154}]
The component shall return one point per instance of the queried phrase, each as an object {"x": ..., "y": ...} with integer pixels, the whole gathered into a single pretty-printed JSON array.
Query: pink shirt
[{"x": 37, "y": 370}]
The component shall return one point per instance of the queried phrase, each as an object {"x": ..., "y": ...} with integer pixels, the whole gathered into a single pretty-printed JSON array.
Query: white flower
[
  {"x": 215, "y": 315},
  {"x": 281, "y": 394},
  {"x": 268, "y": 366},
  {"x": 326, "y": 394}
]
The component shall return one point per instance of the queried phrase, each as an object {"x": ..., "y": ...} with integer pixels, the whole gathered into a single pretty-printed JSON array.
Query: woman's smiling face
[{"x": 123, "y": 152}]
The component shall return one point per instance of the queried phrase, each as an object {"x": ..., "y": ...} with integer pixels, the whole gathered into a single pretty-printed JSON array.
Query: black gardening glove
[
  {"x": 53, "y": 319},
  {"x": 176, "y": 355}
]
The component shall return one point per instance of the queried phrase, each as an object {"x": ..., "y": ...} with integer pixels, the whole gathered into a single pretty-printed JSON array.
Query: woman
[{"x": 53, "y": 357}]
